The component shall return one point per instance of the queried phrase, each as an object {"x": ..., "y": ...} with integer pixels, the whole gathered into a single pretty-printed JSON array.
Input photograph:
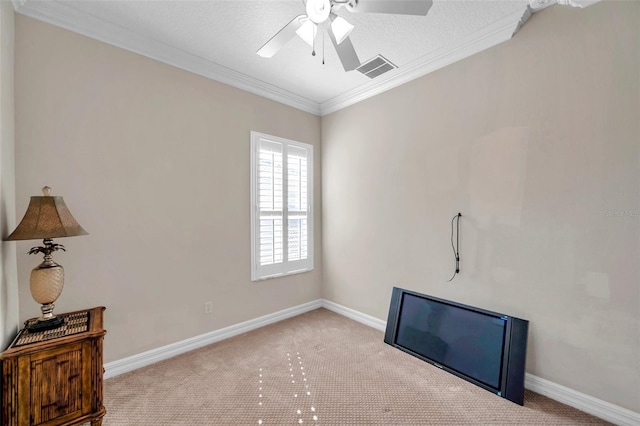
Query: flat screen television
[{"x": 483, "y": 347}]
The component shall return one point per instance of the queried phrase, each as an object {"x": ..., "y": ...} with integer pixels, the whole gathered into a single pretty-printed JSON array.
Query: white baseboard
[
  {"x": 588, "y": 404},
  {"x": 365, "y": 319},
  {"x": 143, "y": 359}
]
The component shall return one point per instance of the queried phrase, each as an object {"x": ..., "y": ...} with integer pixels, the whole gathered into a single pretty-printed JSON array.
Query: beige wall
[
  {"x": 153, "y": 162},
  {"x": 8, "y": 276},
  {"x": 534, "y": 142}
]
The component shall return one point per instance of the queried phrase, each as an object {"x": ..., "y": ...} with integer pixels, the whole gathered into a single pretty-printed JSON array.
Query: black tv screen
[
  {"x": 448, "y": 335},
  {"x": 483, "y": 347}
]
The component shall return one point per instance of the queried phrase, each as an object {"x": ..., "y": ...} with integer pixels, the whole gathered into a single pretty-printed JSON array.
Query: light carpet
[{"x": 318, "y": 368}]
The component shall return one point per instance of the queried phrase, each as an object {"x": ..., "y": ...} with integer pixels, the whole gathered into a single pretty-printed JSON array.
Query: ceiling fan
[{"x": 322, "y": 12}]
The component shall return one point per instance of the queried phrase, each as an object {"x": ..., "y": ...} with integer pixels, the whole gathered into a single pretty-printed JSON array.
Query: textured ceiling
[{"x": 226, "y": 34}]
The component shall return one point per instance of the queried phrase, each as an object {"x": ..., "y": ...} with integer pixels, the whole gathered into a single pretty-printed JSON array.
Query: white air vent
[{"x": 376, "y": 66}]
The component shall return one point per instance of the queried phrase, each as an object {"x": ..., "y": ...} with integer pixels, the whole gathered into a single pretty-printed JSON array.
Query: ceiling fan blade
[
  {"x": 346, "y": 53},
  {"x": 281, "y": 38},
  {"x": 400, "y": 7}
]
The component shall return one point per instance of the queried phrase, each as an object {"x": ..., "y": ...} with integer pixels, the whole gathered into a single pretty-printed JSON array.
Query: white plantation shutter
[
  {"x": 281, "y": 215},
  {"x": 297, "y": 203}
]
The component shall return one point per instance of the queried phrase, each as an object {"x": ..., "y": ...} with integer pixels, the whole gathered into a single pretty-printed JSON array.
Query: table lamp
[{"x": 46, "y": 217}]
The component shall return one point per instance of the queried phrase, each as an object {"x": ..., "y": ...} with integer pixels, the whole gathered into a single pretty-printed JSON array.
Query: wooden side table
[{"x": 54, "y": 377}]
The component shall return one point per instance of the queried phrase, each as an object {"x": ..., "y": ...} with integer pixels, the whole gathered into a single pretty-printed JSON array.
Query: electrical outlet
[{"x": 208, "y": 307}]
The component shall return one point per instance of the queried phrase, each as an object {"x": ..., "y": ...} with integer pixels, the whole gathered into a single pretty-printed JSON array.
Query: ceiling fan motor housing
[{"x": 318, "y": 10}]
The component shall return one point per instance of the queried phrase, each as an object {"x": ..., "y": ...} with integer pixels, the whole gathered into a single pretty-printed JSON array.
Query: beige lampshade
[{"x": 46, "y": 217}]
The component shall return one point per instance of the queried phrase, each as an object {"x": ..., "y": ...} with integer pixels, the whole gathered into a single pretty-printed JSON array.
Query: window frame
[{"x": 286, "y": 267}]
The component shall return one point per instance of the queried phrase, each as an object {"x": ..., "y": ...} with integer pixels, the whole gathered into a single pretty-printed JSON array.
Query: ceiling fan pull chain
[
  {"x": 324, "y": 25},
  {"x": 314, "y": 32}
]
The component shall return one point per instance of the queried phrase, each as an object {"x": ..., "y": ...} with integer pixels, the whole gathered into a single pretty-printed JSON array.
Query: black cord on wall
[{"x": 456, "y": 247}]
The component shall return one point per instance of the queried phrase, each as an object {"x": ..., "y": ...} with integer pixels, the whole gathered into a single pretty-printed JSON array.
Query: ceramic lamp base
[{"x": 47, "y": 281}]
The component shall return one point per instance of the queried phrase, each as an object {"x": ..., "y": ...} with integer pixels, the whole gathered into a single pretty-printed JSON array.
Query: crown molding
[
  {"x": 61, "y": 15},
  {"x": 496, "y": 33},
  {"x": 538, "y": 5}
]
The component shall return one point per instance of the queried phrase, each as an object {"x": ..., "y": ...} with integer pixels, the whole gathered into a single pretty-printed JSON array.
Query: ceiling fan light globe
[
  {"x": 318, "y": 10},
  {"x": 307, "y": 31},
  {"x": 341, "y": 29}
]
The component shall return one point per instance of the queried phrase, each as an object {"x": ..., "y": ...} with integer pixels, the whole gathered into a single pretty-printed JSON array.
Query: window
[{"x": 281, "y": 207}]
